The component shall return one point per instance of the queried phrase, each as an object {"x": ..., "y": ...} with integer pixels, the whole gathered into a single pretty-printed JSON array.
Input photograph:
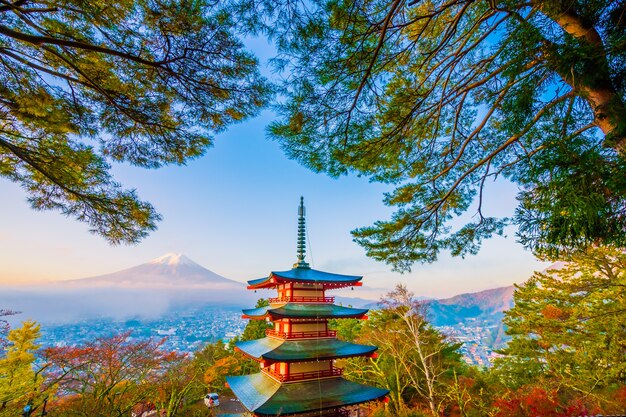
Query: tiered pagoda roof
[
  {"x": 265, "y": 396},
  {"x": 305, "y": 275},
  {"x": 297, "y": 356},
  {"x": 277, "y": 350},
  {"x": 305, "y": 310}
]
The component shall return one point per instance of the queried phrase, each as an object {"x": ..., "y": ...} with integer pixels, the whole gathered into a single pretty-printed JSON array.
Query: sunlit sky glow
[{"x": 234, "y": 211}]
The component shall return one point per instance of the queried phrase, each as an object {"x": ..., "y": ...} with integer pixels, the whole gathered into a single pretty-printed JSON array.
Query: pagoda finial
[{"x": 301, "y": 237}]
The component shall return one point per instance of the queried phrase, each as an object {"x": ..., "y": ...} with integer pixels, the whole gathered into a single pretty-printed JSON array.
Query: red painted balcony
[
  {"x": 302, "y": 299},
  {"x": 301, "y": 335},
  {"x": 300, "y": 376}
]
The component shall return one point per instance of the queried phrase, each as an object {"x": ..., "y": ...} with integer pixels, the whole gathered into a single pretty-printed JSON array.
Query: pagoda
[{"x": 297, "y": 356}]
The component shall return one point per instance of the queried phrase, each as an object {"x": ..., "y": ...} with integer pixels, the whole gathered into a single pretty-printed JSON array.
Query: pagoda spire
[{"x": 301, "y": 236}]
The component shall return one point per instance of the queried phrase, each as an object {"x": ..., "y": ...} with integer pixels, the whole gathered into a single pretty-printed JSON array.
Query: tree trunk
[
  {"x": 608, "y": 107},
  {"x": 428, "y": 376}
]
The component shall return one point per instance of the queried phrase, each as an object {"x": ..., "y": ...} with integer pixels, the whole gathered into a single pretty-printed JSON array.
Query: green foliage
[
  {"x": 255, "y": 329},
  {"x": 19, "y": 382},
  {"x": 145, "y": 82},
  {"x": 179, "y": 385},
  {"x": 217, "y": 361},
  {"x": 573, "y": 196},
  {"x": 347, "y": 329},
  {"x": 439, "y": 98},
  {"x": 568, "y": 330},
  {"x": 416, "y": 363}
]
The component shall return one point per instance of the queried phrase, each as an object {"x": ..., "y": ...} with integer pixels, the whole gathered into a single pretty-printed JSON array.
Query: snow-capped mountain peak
[
  {"x": 172, "y": 270},
  {"x": 172, "y": 259}
]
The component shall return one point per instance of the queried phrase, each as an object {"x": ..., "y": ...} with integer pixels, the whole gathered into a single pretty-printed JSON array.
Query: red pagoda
[{"x": 297, "y": 356}]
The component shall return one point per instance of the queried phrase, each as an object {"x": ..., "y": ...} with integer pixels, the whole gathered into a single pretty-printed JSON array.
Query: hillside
[{"x": 485, "y": 306}]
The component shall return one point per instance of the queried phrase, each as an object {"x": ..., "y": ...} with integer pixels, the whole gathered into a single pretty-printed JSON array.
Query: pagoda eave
[
  {"x": 262, "y": 395},
  {"x": 273, "y": 317},
  {"x": 269, "y": 350},
  {"x": 304, "y": 311},
  {"x": 325, "y": 285},
  {"x": 305, "y": 276}
]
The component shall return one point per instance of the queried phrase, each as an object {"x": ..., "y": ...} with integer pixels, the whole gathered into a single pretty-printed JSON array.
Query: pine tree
[
  {"x": 438, "y": 98},
  {"x": 83, "y": 84},
  {"x": 568, "y": 329}
]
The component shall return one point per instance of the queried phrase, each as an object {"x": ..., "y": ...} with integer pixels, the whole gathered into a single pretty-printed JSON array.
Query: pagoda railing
[
  {"x": 301, "y": 299},
  {"x": 301, "y": 335},
  {"x": 299, "y": 376}
]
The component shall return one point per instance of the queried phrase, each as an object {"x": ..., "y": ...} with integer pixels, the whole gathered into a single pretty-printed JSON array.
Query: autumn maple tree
[{"x": 110, "y": 375}]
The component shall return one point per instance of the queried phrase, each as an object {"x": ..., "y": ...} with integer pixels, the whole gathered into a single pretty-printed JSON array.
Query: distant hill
[{"x": 484, "y": 306}]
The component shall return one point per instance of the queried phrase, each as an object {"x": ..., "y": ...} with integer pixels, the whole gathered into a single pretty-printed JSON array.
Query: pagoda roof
[
  {"x": 305, "y": 310},
  {"x": 305, "y": 275},
  {"x": 277, "y": 350},
  {"x": 261, "y": 394}
]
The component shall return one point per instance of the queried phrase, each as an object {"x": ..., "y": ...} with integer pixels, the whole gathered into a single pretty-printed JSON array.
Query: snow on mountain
[
  {"x": 173, "y": 259},
  {"x": 153, "y": 289},
  {"x": 173, "y": 270}
]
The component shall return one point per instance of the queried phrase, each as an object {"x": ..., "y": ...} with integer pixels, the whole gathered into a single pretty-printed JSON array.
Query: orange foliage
[
  {"x": 555, "y": 313},
  {"x": 111, "y": 374},
  {"x": 228, "y": 365},
  {"x": 536, "y": 401}
]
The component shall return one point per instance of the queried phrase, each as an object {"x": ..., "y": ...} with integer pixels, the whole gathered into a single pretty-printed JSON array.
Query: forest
[{"x": 566, "y": 357}]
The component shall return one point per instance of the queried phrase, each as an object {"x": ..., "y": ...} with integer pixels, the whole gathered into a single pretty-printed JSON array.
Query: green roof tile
[
  {"x": 259, "y": 394},
  {"x": 302, "y": 350},
  {"x": 306, "y": 310},
  {"x": 308, "y": 275},
  {"x": 259, "y": 347},
  {"x": 253, "y": 390}
]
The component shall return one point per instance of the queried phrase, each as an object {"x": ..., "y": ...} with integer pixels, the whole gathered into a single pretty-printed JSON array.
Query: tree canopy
[
  {"x": 440, "y": 97},
  {"x": 109, "y": 375},
  {"x": 417, "y": 363},
  {"x": 19, "y": 383},
  {"x": 86, "y": 83},
  {"x": 568, "y": 329}
]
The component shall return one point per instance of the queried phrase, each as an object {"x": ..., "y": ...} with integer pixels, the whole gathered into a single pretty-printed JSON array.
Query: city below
[{"x": 189, "y": 330}]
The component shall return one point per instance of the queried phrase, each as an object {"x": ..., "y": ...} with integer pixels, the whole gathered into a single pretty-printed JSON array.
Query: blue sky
[{"x": 234, "y": 211}]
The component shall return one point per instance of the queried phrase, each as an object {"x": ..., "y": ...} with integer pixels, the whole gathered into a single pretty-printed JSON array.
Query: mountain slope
[
  {"x": 153, "y": 289},
  {"x": 484, "y": 306},
  {"x": 168, "y": 271}
]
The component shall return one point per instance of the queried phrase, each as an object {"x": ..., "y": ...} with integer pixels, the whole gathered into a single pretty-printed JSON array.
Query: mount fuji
[
  {"x": 170, "y": 271},
  {"x": 172, "y": 282}
]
